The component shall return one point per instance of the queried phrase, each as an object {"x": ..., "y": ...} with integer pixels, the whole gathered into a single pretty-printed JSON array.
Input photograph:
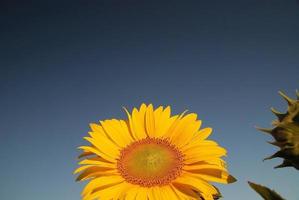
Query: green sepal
[{"x": 265, "y": 192}]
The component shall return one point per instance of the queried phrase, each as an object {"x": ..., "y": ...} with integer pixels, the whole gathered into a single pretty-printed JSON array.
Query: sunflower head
[
  {"x": 286, "y": 133},
  {"x": 151, "y": 155}
]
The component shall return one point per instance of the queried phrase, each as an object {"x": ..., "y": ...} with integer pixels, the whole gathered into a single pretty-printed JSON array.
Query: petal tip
[{"x": 231, "y": 179}]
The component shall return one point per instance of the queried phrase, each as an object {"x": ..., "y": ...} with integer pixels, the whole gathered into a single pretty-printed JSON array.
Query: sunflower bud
[{"x": 286, "y": 133}]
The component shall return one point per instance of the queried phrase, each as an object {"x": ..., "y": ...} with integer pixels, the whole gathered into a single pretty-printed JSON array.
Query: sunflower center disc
[{"x": 150, "y": 162}]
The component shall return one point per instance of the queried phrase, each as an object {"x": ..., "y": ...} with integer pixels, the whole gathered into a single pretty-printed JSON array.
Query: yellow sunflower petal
[
  {"x": 132, "y": 192},
  {"x": 204, "y": 153},
  {"x": 157, "y": 113},
  {"x": 196, "y": 183},
  {"x": 85, "y": 154},
  {"x": 104, "y": 181},
  {"x": 187, "y": 133},
  {"x": 142, "y": 193},
  {"x": 199, "y": 144},
  {"x": 163, "y": 121},
  {"x": 150, "y": 121},
  {"x": 183, "y": 129},
  {"x": 97, "y": 163},
  {"x": 217, "y": 161},
  {"x": 126, "y": 129},
  {"x": 99, "y": 153},
  {"x": 125, "y": 189},
  {"x": 203, "y": 134},
  {"x": 106, "y": 193},
  {"x": 117, "y": 131},
  {"x": 96, "y": 128},
  {"x": 175, "y": 123},
  {"x": 79, "y": 169},
  {"x": 136, "y": 122},
  {"x": 95, "y": 171},
  {"x": 103, "y": 166},
  {"x": 104, "y": 145},
  {"x": 207, "y": 196},
  {"x": 167, "y": 193},
  {"x": 203, "y": 166},
  {"x": 155, "y": 193},
  {"x": 213, "y": 161},
  {"x": 161, "y": 193},
  {"x": 184, "y": 192},
  {"x": 214, "y": 175}
]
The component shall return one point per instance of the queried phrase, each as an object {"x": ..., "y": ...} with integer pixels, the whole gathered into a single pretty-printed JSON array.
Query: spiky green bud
[{"x": 286, "y": 133}]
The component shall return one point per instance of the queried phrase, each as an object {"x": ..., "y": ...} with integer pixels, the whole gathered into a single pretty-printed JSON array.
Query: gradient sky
[{"x": 66, "y": 64}]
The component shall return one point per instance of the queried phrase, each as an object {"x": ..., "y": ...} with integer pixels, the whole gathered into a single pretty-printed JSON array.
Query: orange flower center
[{"x": 150, "y": 162}]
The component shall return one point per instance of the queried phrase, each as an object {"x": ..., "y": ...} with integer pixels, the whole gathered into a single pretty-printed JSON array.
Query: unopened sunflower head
[
  {"x": 152, "y": 155},
  {"x": 286, "y": 133}
]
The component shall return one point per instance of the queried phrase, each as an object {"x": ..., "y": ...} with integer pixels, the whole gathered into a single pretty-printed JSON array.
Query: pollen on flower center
[{"x": 150, "y": 162}]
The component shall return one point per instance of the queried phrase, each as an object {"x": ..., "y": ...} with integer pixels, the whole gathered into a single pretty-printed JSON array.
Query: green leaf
[{"x": 265, "y": 192}]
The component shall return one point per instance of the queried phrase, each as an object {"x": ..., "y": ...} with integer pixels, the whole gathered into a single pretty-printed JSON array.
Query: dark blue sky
[{"x": 66, "y": 64}]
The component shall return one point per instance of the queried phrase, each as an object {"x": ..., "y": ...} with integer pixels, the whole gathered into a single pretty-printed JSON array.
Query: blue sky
[{"x": 64, "y": 65}]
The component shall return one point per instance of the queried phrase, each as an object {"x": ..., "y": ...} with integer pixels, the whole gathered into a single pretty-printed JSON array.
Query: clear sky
[{"x": 66, "y": 64}]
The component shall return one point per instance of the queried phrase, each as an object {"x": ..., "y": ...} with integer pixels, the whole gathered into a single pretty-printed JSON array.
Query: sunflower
[{"x": 151, "y": 155}]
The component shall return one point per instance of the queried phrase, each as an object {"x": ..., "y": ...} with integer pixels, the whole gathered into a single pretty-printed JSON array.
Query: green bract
[{"x": 286, "y": 133}]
